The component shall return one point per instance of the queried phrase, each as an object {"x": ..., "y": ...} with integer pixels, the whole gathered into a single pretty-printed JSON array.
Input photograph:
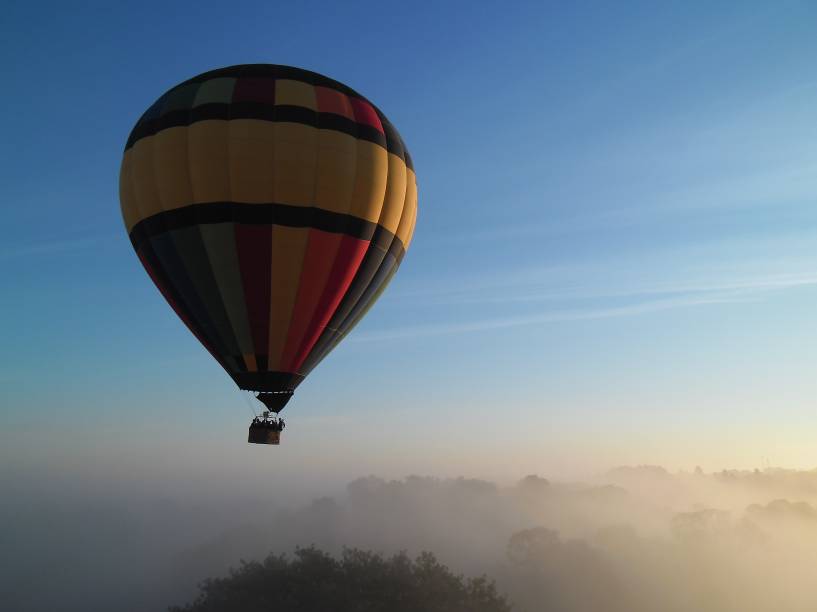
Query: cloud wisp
[
  {"x": 495, "y": 323},
  {"x": 648, "y": 299},
  {"x": 52, "y": 247}
]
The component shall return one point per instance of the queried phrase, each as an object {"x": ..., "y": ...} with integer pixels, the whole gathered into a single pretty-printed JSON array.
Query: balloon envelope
[{"x": 271, "y": 206}]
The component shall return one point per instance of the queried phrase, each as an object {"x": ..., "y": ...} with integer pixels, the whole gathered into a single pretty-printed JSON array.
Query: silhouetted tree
[{"x": 359, "y": 581}]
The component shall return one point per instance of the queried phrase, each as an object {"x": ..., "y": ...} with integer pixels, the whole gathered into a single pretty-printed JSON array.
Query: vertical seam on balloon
[
  {"x": 230, "y": 342},
  {"x": 133, "y": 184},
  {"x": 273, "y": 167},
  {"x": 355, "y": 174},
  {"x": 363, "y": 305},
  {"x": 311, "y": 215},
  {"x": 380, "y": 218},
  {"x": 268, "y": 256},
  {"x": 274, "y": 142},
  {"x": 331, "y": 344},
  {"x": 306, "y": 364},
  {"x": 203, "y": 324},
  {"x": 374, "y": 296},
  {"x": 191, "y": 277},
  {"x": 273, "y": 185},
  {"x": 123, "y": 180},
  {"x": 413, "y": 223},
  {"x": 155, "y": 174},
  {"x": 239, "y": 275},
  {"x": 367, "y": 299}
]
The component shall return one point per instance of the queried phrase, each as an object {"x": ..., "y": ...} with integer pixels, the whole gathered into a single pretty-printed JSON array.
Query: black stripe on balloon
[
  {"x": 263, "y": 214},
  {"x": 166, "y": 288},
  {"x": 273, "y": 71},
  {"x": 267, "y": 381},
  {"x": 277, "y": 71},
  {"x": 396, "y": 145},
  {"x": 276, "y": 114},
  {"x": 381, "y": 280},
  {"x": 174, "y": 271},
  {"x": 191, "y": 250}
]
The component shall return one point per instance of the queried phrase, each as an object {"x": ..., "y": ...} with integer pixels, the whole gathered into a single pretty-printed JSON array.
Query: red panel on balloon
[
  {"x": 347, "y": 262},
  {"x": 254, "y": 247},
  {"x": 364, "y": 113},
  {"x": 329, "y": 266}
]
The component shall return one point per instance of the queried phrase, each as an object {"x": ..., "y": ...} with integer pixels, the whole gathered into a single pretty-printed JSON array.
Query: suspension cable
[{"x": 249, "y": 403}]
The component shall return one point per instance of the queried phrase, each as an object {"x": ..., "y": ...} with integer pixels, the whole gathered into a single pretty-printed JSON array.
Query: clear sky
[{"x": 615, "y": 258}]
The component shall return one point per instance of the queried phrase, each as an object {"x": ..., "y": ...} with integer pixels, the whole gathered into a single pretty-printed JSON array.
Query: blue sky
[{"x": 614, "y": 259}]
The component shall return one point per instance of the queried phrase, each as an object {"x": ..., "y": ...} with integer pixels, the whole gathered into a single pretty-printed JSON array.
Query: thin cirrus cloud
[
  {"x": 495, "y": 323},
  {"x": 52, "y": 247},
  {"x": 753, "y": 158},
  {"x": 745, "y": 263},
  {"x": 536, "y": 293},
  {"x": 782, "y": 189},
  {"x": 643, "y": 297}
]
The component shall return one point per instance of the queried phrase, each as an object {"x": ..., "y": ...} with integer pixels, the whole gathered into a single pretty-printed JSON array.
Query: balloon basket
[
  {"x": 259, "y": 435},
  {"x": 265, "y": 429}
]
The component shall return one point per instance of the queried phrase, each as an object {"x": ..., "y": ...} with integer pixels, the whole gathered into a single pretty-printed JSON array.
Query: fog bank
[{"x": 634, "y": 538}]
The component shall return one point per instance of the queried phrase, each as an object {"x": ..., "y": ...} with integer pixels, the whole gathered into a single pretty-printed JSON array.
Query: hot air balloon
[{"x": 271, "y": 206}]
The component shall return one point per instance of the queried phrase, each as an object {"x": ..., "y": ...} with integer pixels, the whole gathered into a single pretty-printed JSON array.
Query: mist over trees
[
  {"x": 639, "y": 539},
  {"x": 635, "y": 539}
]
